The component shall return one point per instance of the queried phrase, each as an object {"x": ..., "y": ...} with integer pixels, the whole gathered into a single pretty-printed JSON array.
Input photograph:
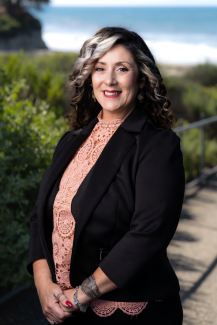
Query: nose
[{"x": 110, "y": 78}]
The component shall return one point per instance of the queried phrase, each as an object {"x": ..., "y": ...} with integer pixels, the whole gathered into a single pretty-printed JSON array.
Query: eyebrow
[{"x": 116, "y": 62}]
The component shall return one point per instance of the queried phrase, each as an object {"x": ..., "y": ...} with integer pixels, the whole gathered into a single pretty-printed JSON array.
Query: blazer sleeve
[
  {"x": 159, "y": 193},
  {"x": 35, "y": 248}
]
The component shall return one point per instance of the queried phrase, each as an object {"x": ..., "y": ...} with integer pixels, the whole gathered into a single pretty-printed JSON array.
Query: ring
[
  {"x": 52, "y": 322},
  {"x": 59, "y": 295}
]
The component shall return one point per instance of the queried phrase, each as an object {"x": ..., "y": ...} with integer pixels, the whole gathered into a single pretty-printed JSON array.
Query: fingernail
[{"x": 68, "y": 303}]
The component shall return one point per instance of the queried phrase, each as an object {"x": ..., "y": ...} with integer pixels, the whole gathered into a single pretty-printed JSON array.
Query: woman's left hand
[
  {"x": 68, "y": 295},
  {"x": 66, "y": 299}
]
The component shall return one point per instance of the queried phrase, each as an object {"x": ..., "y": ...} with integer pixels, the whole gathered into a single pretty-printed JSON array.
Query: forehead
[{"x": 117, "y": 53}]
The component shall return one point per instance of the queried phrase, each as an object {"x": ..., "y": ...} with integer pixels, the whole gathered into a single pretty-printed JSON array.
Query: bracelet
[
  {"x": 89, "y": 287},
  {"x": 77, "y": 303}
]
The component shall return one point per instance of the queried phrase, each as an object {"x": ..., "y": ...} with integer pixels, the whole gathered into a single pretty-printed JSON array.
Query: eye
[
  {"x": 98, "y": 69},
  {"x": 123, "y": 69}
]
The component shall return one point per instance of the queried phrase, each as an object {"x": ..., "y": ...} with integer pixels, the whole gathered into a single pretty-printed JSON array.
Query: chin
[{"x": 111, "y": 108}]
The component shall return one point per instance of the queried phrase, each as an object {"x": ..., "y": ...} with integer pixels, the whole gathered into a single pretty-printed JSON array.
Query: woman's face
[{"x": 114, "y": 80}]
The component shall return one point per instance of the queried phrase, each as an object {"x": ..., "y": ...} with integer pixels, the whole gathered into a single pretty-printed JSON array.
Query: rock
[
  {"x": 19, "y": 29},
  {"x": 29, "y": 40}
]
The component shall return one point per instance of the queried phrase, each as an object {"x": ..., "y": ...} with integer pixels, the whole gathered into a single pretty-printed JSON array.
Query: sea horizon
[{"x": 177, "y": 35}]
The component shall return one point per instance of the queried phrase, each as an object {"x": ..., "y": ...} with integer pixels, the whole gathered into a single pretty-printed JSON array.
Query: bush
[
  {"x": 191, "y": 147},
  {"x": 203, "y": 74},
  {"x": 28, "y": 137},
  {"x": 46, "y": 76}
]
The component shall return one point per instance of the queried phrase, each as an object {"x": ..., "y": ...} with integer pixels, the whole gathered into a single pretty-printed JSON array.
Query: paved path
[{"x": 193, "y": 254}]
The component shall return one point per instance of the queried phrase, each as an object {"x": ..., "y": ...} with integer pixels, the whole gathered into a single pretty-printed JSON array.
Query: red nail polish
[{"x": 68, "y": 303}]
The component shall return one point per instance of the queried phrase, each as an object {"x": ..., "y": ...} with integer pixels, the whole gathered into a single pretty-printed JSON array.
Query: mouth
[{"x": 111, "y": 93}]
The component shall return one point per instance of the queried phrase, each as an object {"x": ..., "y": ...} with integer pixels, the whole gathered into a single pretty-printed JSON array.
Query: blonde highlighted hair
[{"x": 155, "y": 104}]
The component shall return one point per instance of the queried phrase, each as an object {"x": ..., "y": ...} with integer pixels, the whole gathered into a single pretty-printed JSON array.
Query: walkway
[{"x": 193, "y": 254}]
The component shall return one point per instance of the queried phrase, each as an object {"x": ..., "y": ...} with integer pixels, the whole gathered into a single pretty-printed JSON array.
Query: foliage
[
  {"x": 36, "y": 3},
  {"x": 46, "y": 77},
  {"x": 28, "y": 136},
  {"x": 8, "y": 23},
  {"x": 190, "y": 142},
  {"x": 204, "y": 74}
]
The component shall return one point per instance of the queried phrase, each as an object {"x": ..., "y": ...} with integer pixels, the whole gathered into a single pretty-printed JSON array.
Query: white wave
[
  {"x": 164, "y": 51},
  {"x": 65, "y": 42}
]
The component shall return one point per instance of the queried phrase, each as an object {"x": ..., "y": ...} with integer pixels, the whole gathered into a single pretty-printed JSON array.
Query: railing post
[
  {"x": 180, "y": 123},
  {"x": 202, "y": 144}
]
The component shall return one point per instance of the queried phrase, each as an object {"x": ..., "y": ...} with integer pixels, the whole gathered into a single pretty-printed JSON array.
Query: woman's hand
[
  {"x": 66, "y": 299},
  {"x": 68, "y": 294},
  {"x": 50, "y": 303},
  {"x": 47, "y": 292}
]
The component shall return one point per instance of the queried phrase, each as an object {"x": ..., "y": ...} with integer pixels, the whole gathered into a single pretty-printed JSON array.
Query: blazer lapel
[{"x": 102, "y": 173}]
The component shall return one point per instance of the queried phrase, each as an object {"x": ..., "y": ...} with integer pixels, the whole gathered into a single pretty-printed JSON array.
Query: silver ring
[
  {"x": 52, "y": 322},
  {"x": 59, "y": 295}
]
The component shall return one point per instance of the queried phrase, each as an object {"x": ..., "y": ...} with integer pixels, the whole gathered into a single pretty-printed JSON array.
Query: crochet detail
[
  {"x": 104, "y": 308},
  {"x": 64, "y": 222}
]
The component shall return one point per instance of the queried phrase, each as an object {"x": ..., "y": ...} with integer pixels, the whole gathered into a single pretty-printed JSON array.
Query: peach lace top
[{"x": 64, "y": 223}]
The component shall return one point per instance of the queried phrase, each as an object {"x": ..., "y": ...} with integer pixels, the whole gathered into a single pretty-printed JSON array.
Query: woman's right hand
[{"x": 47, "y": 293}]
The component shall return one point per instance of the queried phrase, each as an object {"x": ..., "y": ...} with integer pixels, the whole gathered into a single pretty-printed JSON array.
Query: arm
[
  {"x": 159, "y": 192},
  {"x": 104, "y": 285}
]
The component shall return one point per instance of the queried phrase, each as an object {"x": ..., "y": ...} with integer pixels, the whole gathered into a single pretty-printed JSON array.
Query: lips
[{"x": 111, "y": 93}]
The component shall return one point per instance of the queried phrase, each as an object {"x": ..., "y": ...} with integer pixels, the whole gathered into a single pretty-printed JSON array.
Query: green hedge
[
  {"x": 46, "y": 76},
  {"x": 28, "y": 136}
]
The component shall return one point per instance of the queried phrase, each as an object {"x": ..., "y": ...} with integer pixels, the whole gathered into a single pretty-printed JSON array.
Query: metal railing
[{"x": 201, "y": 124}]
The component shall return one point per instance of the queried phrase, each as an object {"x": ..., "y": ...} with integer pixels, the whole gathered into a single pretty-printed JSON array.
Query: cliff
[{"x": 19, "y": 30}]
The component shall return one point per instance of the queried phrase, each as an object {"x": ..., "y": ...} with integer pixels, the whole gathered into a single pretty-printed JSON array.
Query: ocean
[{"x": 177, "y": 35}]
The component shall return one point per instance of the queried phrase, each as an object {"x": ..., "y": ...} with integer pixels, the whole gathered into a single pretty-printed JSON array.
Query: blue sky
[{"x": 134, "y": 3}]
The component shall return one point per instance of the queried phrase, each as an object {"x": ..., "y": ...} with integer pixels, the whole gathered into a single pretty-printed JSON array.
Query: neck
[{"x": 120, "y": 115}]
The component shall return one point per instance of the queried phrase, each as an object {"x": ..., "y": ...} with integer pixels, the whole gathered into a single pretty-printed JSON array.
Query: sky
[{"x": 134, "y": 3}]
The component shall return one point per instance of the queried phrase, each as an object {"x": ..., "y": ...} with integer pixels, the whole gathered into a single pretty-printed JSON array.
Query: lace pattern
[
  {"x": 105, "y": 308},
  {"x": 64, "y": 222}
]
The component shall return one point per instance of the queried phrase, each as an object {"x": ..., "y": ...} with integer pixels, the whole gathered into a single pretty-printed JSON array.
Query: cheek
[
  {"x": 130, "y": 84},
  {"x": 96, "y": 81}
]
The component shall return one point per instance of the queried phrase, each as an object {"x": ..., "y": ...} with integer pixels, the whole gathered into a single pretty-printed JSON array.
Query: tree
[{"x": 22, "y": 3}]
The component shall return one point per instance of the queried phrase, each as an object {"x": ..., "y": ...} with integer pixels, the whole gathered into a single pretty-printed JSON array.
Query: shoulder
[
  {"x": 157, "y": 141},
  {"x": 158, "y": 136}
]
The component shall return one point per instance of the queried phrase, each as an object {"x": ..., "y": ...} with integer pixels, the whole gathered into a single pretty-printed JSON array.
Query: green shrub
[
  {"x": 203, "y": 74},
  {"x": 191, "y": 147},
  {"x": 8, "y": 23},
  {"x": 46, "y": 76},
  {"x": 28, "y": 136}
]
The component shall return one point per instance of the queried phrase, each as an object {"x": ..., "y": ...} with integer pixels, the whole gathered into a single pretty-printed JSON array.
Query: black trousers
[{"x": 166, "y": 312}]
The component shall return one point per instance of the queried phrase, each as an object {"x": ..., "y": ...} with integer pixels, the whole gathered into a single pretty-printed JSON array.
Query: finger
[
  {"x": 64, "y": 300},
  {"x": 60, "y": 314},
  {"x": 52, "y": 317},
  {"x": 67, "y": 309},
  {"x": 54, "y": 313},
  {"x": 51, "y": 321}
]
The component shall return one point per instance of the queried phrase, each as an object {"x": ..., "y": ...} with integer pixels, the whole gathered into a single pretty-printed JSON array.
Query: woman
[{"x": 110, "y": 202}]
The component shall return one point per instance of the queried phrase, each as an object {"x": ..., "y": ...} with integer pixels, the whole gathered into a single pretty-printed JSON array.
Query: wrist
[
  {"x": 82, "y": 297},
  {"x": 82, "y": 307}
]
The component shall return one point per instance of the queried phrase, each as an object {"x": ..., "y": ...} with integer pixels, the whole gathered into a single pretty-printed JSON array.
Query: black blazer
[{"x": 126, "y": 209}]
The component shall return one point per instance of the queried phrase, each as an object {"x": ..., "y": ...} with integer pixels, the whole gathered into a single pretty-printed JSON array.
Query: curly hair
[{"x": 155, "y": 104}]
